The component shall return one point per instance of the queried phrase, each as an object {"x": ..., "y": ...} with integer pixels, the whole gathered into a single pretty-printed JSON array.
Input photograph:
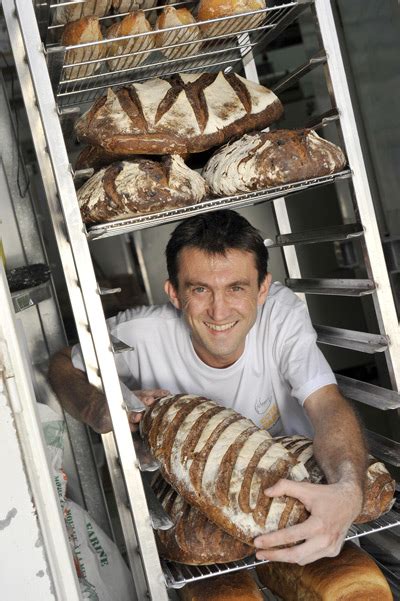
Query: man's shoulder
[
  {"x": 146, "y": 315},
  {"x": 282, "y": 298}
]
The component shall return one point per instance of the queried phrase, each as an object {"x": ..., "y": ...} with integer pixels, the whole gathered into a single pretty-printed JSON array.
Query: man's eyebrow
[{"x": 190, "y": 283}]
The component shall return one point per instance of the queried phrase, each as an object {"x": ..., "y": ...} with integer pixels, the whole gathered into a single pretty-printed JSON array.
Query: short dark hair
[{"x": 216, "y": 232}]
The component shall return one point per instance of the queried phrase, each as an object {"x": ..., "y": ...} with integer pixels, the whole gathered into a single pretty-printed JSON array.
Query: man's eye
[
  {"x": 199, "y": 289},
  {"x": 237, "y": 288}
]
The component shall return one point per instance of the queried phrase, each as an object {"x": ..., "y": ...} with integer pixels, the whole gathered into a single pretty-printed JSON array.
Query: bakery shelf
[
  {"x": 177, "y": 575},
  {"x": 122, "y": 226},
  {"x": 232, "y": 41}
]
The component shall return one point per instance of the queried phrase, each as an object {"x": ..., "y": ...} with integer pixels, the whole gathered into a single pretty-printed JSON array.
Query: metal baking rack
[
  {"x": 122, "y": 226},
  {"x": 177, "y": 575},
  {"x": 232, "y": 39}
]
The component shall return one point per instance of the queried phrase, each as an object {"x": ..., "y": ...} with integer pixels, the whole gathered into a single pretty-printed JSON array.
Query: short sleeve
[{"x": 302, "y": 364}]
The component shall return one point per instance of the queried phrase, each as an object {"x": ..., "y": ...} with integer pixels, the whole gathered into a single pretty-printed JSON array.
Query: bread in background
[
  {"x": 127, "y": 6},
  {"x": 351, "y": 576},
  {"x": 132, "y": 24},
  {"x": 77, "y": 10},
  {"x": 236, "y": 586},
  {"x": 82, "y": 31},
  {"x": 213, "y": 9},
  {"x": 171, "y": 17}
]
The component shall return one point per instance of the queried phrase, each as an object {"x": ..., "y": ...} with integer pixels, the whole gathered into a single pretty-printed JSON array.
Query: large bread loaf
[
  {"x": 236, "y": 586},
  {"x": 193, "y": 539},
  {"x": 351, "y": 576},
  {"x": 186, "y": 113},
  {"x": 266, "y": 159},
  {"x": 220, "y": 462},
  {"x": 139, "y": 187},
  {"x": 379, "y": 485}
]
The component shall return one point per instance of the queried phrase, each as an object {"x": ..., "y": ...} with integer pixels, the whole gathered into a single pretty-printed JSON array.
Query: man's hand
[
  {"x": 147, "y": 397},
  {"x": 332, "y": 508}
]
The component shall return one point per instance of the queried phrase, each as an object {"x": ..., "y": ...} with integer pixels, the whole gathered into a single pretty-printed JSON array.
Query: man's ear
[
  {"x": 171, "y": 292},
  {"x": 264, "y": 289}
]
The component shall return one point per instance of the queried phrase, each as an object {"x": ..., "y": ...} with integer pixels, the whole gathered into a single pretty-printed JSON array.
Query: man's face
[{"x": 218, "y": 295}]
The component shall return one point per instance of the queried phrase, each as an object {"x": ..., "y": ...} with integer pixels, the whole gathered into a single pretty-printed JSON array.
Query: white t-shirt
[{"x": 279, "y": 368}]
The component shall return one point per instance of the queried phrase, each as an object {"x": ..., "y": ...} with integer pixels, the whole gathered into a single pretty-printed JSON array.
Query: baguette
[
  {"x": 351, "y": 576},
  {"x": 183, "y": 114},
  {"x": 266, "y": 159},
  {"x": 221, "y": 463},
  {"x": 193, "y": 539},
  {"x": 237, "y": 586}
]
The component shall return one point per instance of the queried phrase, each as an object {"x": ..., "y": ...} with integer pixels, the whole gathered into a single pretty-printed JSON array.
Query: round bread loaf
[
  {"x": 139, "y": 187},
  {"x": 189, "y": 36},
  {"x": 213, "y": 9},
  {"x": 126, "y": 6},
  {"x": 78, "y": 9},
  {"x": 267, "y": 159},
  {"x": 82, "y": 31},
  {"x": 133, "y": 50}
]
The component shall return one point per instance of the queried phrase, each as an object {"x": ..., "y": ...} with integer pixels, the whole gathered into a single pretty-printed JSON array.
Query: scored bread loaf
[
  {"x": 220, "y": 462},
  {"x": 138, "y": 187},
  {"x": 78, "y": 9},
  {"x": 379, "y": 485},
  {"x": 126, "y": 6},
  {"x": 193, "y": 539},
  {"x": 351, "y": 576},
  {"x": 134, "y": 49},
  {"x": 82, "y": 31},
  {"x": 95, "y": 157},
  {"x": 265, "y": 159},
  {"x": 187, "y": 36},
  {"x": 189, "y": 112},
  {"x": 236, "y": 586},
  {"x": 213, "y": 9}
]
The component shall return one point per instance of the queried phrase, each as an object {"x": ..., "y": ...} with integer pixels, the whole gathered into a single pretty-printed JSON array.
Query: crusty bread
[
  {"x": 171, "y": 17},
  {"x": 133, "y": 49},
  {"x": 236, "y": 586},
  {"x": 213, "y": 9},
  {"x": 189, "y": 112},
  {"x": 95, "y": 157},
  {"x": 193, "y": 539},
  {"x": 126, "y": 6},
  {"x": 82, "y": 31},
  {"x": 351, "y": 576},
  {"x": 379, "y": 485},
  {"x": 221, "y": 463},
  {"x": 139, "y": 187},
  {"x": 77, "y": 10},
  {"x": 266, "y": 159}
]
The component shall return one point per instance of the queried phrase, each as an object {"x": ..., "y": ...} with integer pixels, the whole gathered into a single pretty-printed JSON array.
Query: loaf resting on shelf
[
  {"x": 351, "y": 576},
  {"x": 266, "y": 159},
  {"x": 220, "y": 462},
  {"x": 215, "y": 9},
  {"x": 189, "y": 35},
  {"x": 86, "y": 29},
  {"x": 186, "y": 113},
  {"x": 193, "y": 539},
  {"x": 133, "y": 50},
  {"x": 236, "y": 586},
  {"x": 139, "y": 187},
  {"x": 77, "y": 9}
]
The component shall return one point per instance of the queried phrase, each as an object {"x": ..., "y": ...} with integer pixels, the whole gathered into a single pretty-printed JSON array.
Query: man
[{"x": 232, "y": 335}]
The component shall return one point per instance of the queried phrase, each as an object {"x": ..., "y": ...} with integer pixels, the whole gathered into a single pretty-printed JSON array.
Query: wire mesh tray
[
  {"x": 80, "y": 73},
  {"x": 122, "y": 226},
  {"x": 177, "y": 575}
]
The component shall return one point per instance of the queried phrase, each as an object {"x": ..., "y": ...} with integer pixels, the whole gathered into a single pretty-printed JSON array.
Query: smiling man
[{"x": 233, "y": 336}]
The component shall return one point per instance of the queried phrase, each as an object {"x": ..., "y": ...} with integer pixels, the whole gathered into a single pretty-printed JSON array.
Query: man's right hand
[{"x": 147, "y": 397}]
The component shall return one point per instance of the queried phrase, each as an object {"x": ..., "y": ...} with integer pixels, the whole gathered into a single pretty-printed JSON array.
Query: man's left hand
[
  {"x": 332, "y": 508},
  {"x": 147, "y": 397}
]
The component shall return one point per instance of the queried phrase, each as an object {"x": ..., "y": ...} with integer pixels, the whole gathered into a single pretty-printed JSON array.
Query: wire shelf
[
  {"x": 177, "y": 575},
  {"x": 80, "y": 73},
  {"x": 122, "y": 226}
]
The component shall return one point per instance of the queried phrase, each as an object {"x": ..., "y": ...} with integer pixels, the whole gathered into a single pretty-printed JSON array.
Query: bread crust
[
  {"x": 82, "y": 31},
  {"x": 213, "y": 9},
  {"x": 133, "y": 24},
  {"x": 89, "y": 8},
  {"x": 236, "y": 586},
  {"x": 186, "y": 113},
  {"x": 351, "y": 576},
  {"x": 171, "y": 17}
]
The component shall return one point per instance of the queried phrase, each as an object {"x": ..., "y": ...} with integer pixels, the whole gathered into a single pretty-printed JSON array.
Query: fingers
[
  {"x": 149, "y": 396},
  {"x": 303, "y": 491},
  {"x": 286, "y": 536}
]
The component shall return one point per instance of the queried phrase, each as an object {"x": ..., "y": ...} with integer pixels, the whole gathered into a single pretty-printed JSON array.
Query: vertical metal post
[{"x": 83, "y": 291}]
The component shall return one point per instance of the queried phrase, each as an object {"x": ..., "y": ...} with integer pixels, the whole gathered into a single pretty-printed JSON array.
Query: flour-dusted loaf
[
  {"x": 351, "y": 576},
  {"x": 186, "y": 113},
  {"x": 76, "y": 10},
  {"x": 236, "y": 586},
  {"x": 379, "y": 485},
  {"x": 193, "y": 539},
  {"x": 213, "y": 9},
  {"x": 82, "y": 31},
  {"x": 220, "y": 462},
  {"x": 131, "y": 51},
  {"x": 266, "y": 159},
  {"x": 188, "y": 36},
  {"x": 139, "y": 187},
  {"x": 126, "y": 6}
]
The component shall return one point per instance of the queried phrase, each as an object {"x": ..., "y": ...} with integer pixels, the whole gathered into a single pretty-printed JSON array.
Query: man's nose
[{"x": 219, "y": 307}]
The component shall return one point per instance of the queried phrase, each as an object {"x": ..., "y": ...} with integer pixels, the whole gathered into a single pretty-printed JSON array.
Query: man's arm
[
  {"x": 84, "y": 401},
  {"x": 339, "y": 449}
]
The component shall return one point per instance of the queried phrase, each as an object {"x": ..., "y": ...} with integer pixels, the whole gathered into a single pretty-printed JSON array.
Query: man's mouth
[{"x": 221, "y": 327}]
